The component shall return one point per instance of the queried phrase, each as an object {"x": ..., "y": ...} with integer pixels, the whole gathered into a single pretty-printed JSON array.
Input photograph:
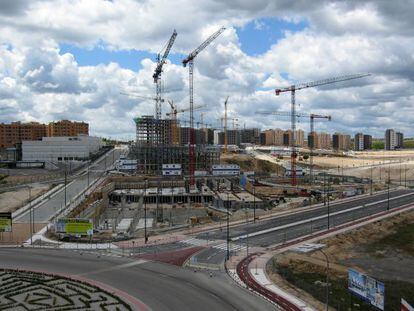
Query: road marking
[
  {"x": 118, "y": 267},
  {"x": 293, "y": 224}
]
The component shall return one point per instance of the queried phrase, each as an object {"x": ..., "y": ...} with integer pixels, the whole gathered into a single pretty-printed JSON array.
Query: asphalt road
[
  {"x": 304, "y": 215},
  {"x": 44, "y": 212},
  {"x": 159, "y": 286}
]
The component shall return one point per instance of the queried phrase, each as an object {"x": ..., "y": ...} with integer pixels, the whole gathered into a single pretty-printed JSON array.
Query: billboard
[
  {"x": 6, "y": 222},
  {"x": 75, "y": 226},
  {"x": 366, "y": 288}
]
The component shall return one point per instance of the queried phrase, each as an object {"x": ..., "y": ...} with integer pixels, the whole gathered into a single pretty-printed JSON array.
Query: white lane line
[
  {"x": 118, "y": 267},
  {"x": 315, "y": 218}
]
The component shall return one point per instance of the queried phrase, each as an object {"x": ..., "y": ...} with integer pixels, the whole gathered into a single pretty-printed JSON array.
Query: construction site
[{"x": 176, "y": 176}]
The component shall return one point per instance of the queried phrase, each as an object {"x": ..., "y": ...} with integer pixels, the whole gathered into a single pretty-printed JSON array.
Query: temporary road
[{"x": 47, "y": 209}]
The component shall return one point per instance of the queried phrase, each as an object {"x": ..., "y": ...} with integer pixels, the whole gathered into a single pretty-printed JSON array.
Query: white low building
[{"x": 56, "y": 149}]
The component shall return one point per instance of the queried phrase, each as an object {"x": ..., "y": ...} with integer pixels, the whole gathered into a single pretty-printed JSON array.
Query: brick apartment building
[
  {"x": 16, "y": 132},
  {"x": 66, "y": 128}
]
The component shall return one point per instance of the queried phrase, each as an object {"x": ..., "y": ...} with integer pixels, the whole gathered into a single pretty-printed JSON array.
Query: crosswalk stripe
[{"x": 222, "y": 246}]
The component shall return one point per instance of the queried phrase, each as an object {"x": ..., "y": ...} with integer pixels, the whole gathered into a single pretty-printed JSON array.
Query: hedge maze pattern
[{"x": 25, "y": 290}]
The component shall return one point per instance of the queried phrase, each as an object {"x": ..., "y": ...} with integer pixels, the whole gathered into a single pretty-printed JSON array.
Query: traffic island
[{"x": 27, "y": 290}]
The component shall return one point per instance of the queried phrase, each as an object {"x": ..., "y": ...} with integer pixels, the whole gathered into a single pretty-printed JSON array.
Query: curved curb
[{"x": 244, "y": 274}]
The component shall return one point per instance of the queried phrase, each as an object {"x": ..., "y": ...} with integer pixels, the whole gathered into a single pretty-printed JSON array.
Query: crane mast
[
  {"x": 312, "y": 144},
  {"x": 225, "y": 125},
  {"x": 292, "y": 89},
  {"x": 190, "y": 61},
  {"x": 312, "y": 118},
  {"x": 157, "y": 74}
]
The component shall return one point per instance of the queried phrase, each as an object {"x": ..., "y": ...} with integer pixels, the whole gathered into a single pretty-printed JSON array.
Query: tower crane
[
  {"x": 312, "y": 118},
  {"x": 157, "y": 74},
  {"x": 190, "y": 61},
  {"x": 292, "y": 89}
]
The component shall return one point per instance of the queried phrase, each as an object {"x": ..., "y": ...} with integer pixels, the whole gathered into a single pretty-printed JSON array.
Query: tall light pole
[
  {"x": 66, "y": 182},
  {"x": 371, "y": 180},
  {"x": 327, "y": 280},
  {"x": 145, "y": 212},
  {"x": 389, "y": 180},
  {"x": 254, "y": 203},
  {"x": 405, "y": 176},
  {"x": 329, "y": 210},
  {"x": 31, "y": 222},
  {"x": 228, "y": 227}
]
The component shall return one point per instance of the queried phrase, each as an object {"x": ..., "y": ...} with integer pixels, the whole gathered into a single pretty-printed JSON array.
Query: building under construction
[{"x": 156, "y": 144}]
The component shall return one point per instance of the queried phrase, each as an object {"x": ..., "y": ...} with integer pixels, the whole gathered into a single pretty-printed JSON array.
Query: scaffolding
[{"x": 156, "y": 144}]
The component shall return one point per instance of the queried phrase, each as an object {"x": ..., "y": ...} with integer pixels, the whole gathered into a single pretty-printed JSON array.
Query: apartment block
[
  {"x": 359, "y": 142},
  {"x": 367, "y": 142},
  {"x": 399, "y": 140},
  {"x": 16, "y": 132},
  {"x": 250, "y": 135},
  {"x": 390, "y": 139},
  {"x": 341, "y": 141},
  {"x": 288, "y": 138},
  {"x": 67, "y": 128},
  {"x": 319, "y": 140}
]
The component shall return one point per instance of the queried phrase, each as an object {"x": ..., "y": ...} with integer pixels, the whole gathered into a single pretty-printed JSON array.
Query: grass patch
[
  {"x": 339, "y": 297},
  {"x": 402, "y": 238}
]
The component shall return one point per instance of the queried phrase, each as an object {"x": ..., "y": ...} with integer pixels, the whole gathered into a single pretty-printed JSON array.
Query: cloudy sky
[{"x": 71, "y": 59}]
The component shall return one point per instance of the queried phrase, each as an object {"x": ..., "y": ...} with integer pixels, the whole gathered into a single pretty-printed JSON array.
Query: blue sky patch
[
  {"x": 256, "y": 38},
  {"x": 259, "y": 35}
]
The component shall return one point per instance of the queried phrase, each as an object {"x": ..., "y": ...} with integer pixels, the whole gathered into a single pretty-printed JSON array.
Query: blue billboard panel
[{"x": 366, "y": 288}]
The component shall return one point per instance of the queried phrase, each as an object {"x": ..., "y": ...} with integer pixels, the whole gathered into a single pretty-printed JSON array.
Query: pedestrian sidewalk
[{"x": 257, "y": 269}]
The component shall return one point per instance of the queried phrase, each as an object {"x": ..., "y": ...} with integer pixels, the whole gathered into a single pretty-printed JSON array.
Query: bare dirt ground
[
  {"x": 20, "y": 234},
  {"x": 248, "y": 163},
  {"x": 377, "y": 163},
  {"x": 371, "y": 248},
  {"x": 12, "y": 200},
  {"x": 351, "y": 245}
]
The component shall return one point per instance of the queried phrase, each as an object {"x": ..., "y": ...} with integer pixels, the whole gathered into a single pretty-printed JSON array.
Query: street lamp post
[
  {"x": 145, "y": 212},
  {"x": 228, "y": 227},
  {"x": 88, "y": 171},
  {"x": 329, "y": 209},
  {"x": 66, "y": 182},
  {"x": 388, "y": 190},
  {"x": 327, "y": 279},
  {"x": 405, "y": 176},
  {"x": 371, "y": 180},
  {"x": 254, "y": 203},
  {"x": 31, "y": 218}
]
